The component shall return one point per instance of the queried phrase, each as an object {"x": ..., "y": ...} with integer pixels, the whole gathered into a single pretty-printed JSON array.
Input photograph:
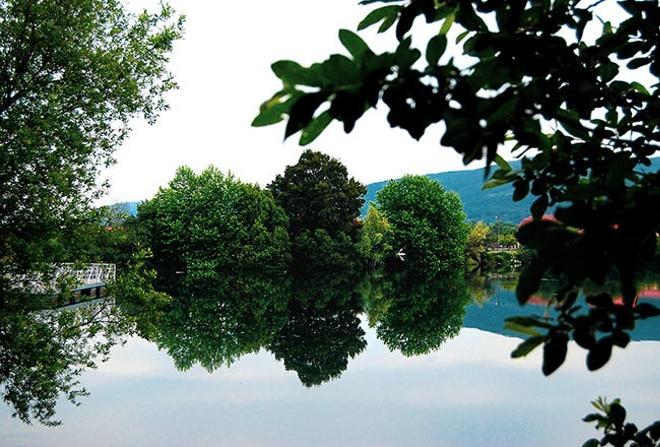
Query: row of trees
[
  {"x": 305, "y": 222},
  {"x": 288, "y": 268},
  {"x": 495, "y": 249}
]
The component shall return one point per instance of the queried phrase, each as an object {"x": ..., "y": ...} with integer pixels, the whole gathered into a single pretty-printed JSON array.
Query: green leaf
[
  {"x": 315, "y": 128},
  {"x": 554, "y": 353},
  {"x": 522, "y": 329},
  {"x": 462, "y": 36},
  {"x": 302, "y": 112},
  {"x": 570, "y": 121},
  {"x": 406, "y": 56},
  {"x": 293, "y": 73},
  {"x": 529, "y": 280},
  {"x": 520, "y": 190},
  {"x": 446, "y": 25},
  {"x": 617, "y": 414},
  {"x": 435, "y": 49},
  {"x": 340, "y": 70},
  {"x": 529, "y": 321},
  {"x": 640, "y": 88},
  {"x": 600, "y": 354},
  {"x": 273, "y": 110},
  {"x": 502, "y": 163},
  {"x": 527, "y": 346},
  {"x": 539, "y": 207},
  {"x": 267, "y": 118},
  {"x": 505, "y": 112},
  {"x": 353, "y": 43},
  {"x": 386, "y": 13},
  {"x": 495, "y": 182},
  {"x": 387, "y": 24},
  {"x": 607, "y": 71},
  {"x": 591, "y": 443}
]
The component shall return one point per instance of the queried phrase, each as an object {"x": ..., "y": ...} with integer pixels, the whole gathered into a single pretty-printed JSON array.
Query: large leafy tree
[
  {"x": 427, "y": 222},
  {"x": 73, "y": 73},
  {"x": 317, "y": 193},
  {"x": 208, "y": 223},
  {"x": 322, "y": 203},
  {"x": 580, "y": 108}
]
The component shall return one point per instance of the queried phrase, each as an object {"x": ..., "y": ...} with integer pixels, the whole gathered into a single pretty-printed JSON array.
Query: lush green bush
[
  {"x": 428, "y": 223},
  {"x": 212, "y": 222}
]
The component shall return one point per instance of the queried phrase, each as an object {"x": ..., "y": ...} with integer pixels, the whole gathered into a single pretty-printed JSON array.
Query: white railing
[
  {"x": 89, "y": 274},
  {"x": 75, "y": 276}
]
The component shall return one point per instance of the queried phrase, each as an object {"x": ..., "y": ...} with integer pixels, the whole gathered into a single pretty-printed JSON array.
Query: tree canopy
[
  {"x": 72, "y": 75},
  {"x": 427, "y": 222},
  {"x": 322, "y": 203},
  {"x": 211, "y": 222},
  {"x": 317, "y": 193}
]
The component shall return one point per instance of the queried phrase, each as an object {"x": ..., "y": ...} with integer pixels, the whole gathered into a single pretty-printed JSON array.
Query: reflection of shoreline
[{"x": 490, "y": 313}]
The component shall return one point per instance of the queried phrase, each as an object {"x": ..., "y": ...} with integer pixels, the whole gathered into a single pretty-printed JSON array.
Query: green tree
[
  {"x": 317, "y": 193},
  {"x": 375, "y": 244},
  {"x": 531, "y": 77},
  {"x": 428, "y": 223},
  {"x": 323, "y": 204},
  {"x": 211, "y": 222},
  {"x": 477, "y": 239},
  {"x": 73, "y": 74}
]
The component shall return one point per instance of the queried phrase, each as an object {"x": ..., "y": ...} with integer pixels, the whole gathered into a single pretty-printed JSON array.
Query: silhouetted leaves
[
  {"x": 554, "y": 352},
  {"x": 611, "y": 418}
]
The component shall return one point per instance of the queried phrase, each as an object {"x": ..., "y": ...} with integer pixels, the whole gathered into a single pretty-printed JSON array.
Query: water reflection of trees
[
  {"x": 310, "y": 323},
  {"x": 44, "y": 352},
  {"x": 216, "y": 320},
  {"x": 414, "y": 314},
  {"x": 322, "y": 330}
]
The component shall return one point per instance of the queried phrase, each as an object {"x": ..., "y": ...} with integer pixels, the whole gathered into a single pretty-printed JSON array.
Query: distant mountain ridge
[{"x": 488, "y": 205}]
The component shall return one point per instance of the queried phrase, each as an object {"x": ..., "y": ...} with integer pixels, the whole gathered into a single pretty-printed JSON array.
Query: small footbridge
[
  {"x": 88, "y": 280},
  {"x": 84, "y": 280}
]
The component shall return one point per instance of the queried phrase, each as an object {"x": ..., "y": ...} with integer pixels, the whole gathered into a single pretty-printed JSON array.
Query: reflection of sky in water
[{"x": 469, "y": 393}]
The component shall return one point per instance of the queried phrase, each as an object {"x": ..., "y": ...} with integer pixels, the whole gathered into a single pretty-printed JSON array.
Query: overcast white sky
[{"x": 223, "y": 68}]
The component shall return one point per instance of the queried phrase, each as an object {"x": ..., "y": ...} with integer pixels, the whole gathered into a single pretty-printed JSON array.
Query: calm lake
[{"x": 467, "y": 392}]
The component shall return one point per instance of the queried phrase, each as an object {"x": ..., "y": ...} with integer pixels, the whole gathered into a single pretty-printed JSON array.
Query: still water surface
[{"x": 469, "y": 392}]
